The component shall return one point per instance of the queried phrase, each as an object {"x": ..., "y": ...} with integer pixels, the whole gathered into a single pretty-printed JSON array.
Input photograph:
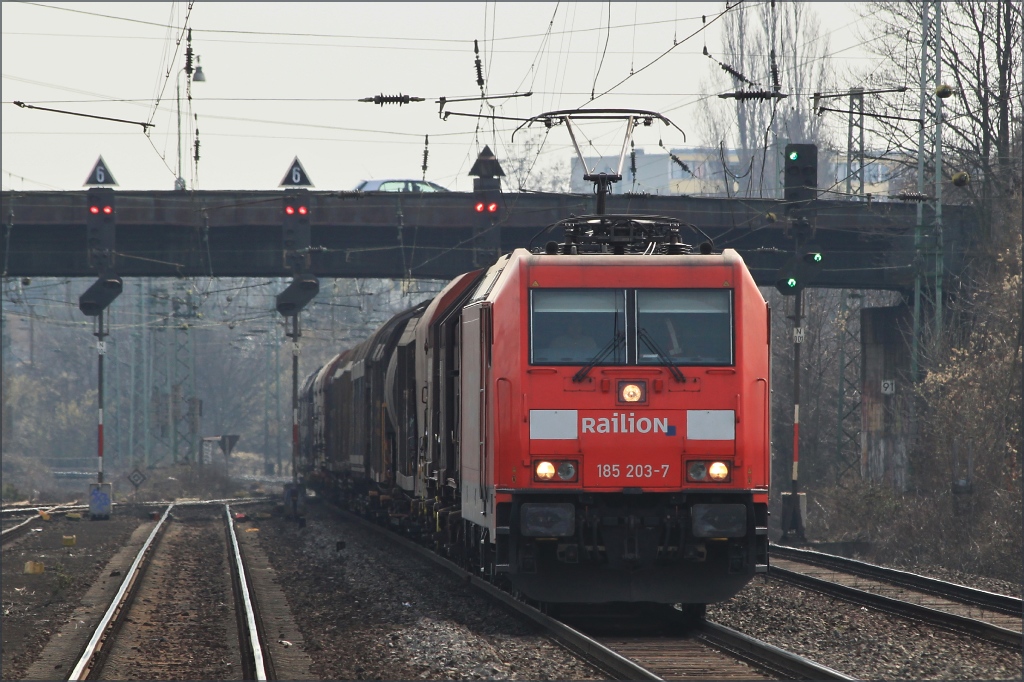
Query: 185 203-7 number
[{"x": 633, "y": 470}]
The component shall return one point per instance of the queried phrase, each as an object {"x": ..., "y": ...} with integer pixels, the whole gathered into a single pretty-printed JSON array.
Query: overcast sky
[{"x": 283, "y": 80}]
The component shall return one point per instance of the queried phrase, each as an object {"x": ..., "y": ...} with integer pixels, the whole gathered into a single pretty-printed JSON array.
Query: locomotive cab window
[
  {"x": 691, "y": 327},
  {"x": 680, "y": 326},
  {"x": 573, "y": 326}
]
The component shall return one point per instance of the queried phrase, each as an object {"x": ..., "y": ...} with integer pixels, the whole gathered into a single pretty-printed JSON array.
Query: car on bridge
[{"x": 399, "y": 186}]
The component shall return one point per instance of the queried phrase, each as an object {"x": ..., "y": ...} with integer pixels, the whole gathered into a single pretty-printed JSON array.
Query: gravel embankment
[
  {"x": 369, "y": 612},
  {"x": 36, "y": 606},
  {"x": 859, "y": 642}
]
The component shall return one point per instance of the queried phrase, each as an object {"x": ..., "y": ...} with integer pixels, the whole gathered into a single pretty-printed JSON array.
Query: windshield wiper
[
  {"x": 618, "y": 340},
  {"x": 646, "y": 338}
]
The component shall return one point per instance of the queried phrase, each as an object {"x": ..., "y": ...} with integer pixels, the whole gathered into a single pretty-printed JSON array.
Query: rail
[
  {"x": 788, "y": 665},
  {"x": 761, "y": 654},
  {"x": 594, "y": 651},
  {"x": 254, "y": 641},
  {"x": 256, "y": 664},
  {"x": 85, "y": 665},
  {"x": 943, "y": 619},
  {"x": 968, "y": 595}
]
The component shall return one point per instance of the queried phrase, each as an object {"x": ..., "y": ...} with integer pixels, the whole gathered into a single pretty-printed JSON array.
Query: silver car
[{"x": 399, "y": 186}]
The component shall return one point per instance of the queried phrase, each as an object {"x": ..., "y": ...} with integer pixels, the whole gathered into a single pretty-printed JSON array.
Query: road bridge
[{"x": 438, "y": 235}]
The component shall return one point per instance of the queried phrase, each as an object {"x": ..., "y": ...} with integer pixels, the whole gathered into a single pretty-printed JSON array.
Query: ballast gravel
[
  {"x": 858, "y": 641},
  {"x": 370, "y": 611}
]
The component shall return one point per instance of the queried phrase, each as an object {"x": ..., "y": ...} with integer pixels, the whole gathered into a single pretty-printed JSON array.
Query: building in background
[{"x": 719, "y": 172}]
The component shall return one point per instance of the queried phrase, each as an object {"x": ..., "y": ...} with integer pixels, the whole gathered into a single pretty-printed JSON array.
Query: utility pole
[
  {"x": 928, "y": 243},
  {"x": 855, "y": 130},
  {"x": 848, "y": 400},
  {"x": 855, "y": 143}
]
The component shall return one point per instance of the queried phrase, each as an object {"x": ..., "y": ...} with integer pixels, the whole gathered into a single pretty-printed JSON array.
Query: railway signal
[
  {"x": 801, "y": 173},
  {"x": 799, "y": 271},
  {"x": 301, "y": 291},
  {"x": 100, "y": 295},
  {"x": 295, "y": 233},
  {"x": 486, "y": 173},
  {"x": 93, "y": 302},
  {"x": 100, "y": 227}
]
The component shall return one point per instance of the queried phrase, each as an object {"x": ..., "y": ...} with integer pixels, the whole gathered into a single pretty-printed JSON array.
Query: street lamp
[{"x": 190, "y": 75}]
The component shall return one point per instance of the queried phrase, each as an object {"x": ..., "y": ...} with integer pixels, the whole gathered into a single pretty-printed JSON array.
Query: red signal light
[
  {"x": 289, "y": 210},
  {"x": 479, "y": 207},
  {"x": 492, "y": 207},
  {"x": 303, "y": 210},
  {"x": 94, "y": 209},
  {"x": 108, "y": 210}
]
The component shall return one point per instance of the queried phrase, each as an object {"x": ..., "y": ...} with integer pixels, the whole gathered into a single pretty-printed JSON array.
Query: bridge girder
[{"x": 869, "y": 245}]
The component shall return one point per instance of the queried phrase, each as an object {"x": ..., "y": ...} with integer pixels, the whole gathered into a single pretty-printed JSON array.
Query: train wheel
[{"x": 687, "y": 615}]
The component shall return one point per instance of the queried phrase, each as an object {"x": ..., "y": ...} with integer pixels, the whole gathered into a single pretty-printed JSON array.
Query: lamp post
[{"x": 191, "y": 75}]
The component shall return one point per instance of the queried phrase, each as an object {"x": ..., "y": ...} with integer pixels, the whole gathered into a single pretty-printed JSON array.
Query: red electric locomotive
[
  {"x": 592, "y": 426},
  {"x": 589, "y": 422}
]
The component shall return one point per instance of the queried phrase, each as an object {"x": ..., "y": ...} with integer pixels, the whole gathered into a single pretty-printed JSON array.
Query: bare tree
[
  {"x": 981, "y": 62},
  {"x": 525, "y": 169},
  {"x": 796, "y": 63}
]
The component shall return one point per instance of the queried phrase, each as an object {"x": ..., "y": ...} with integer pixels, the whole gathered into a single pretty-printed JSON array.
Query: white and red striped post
[
  {"x": 101, "y": 350},
  {"x": 792, "y": 518}
]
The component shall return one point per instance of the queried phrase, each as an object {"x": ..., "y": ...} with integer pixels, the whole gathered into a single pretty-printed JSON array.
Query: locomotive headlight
[
  {"x": 718, "y": 471},
  {"x": 632, "y": 391},
  {"x": 708, "y": 471},
  {"x": 566, "y": 471},
  {"x": 697, "y": 471},
  {"x": 545, "y": 471}
]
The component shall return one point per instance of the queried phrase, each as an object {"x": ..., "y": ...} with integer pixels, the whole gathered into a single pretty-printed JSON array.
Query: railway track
[
  {"x": 179, "y": 612},
  {"x": 993, "y": 617},
  {"x": 709, "y": 651},
  {"x": 17, "y": 529},
  {"x": 713, "y": 651}
]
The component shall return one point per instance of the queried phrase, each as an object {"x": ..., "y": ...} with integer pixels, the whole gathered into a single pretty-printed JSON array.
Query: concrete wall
[{"x": 886, "y": 394}]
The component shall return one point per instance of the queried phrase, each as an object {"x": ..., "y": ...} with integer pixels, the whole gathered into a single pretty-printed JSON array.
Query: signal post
[
  {"x": 295, "y": 242},
  {"x": 801, "y": 182},
  {"x": 100, "y": 222}
]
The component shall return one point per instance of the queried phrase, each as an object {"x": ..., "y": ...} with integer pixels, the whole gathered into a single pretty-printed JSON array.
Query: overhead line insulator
[
  {"x": 383, "y": 99},
  {"x": 479, "y": 65},
  {"x": 753, "y": 94},
  {"x": 426, "y": 152}
]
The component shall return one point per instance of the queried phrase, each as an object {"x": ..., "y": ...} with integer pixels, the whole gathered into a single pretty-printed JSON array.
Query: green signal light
[
  {"x": 791, "y": 282},
  {"x": 816, "y": 257},
  {"x": 794, "y": 155}
]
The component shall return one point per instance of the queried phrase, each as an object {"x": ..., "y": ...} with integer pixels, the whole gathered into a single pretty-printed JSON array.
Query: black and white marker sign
[
  {"x": 101, "y": 175},
  {"x": 296, "y": 176}
]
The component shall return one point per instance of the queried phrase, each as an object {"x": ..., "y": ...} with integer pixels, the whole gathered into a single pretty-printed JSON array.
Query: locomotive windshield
[
  {"x": 692, "y": 327},
  {"x": 689, "y": 326},
  {"x": 570, "y": 326}
]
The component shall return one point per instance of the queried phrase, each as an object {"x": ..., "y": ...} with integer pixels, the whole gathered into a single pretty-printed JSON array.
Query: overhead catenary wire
[{"x": 489, "y": 49}]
